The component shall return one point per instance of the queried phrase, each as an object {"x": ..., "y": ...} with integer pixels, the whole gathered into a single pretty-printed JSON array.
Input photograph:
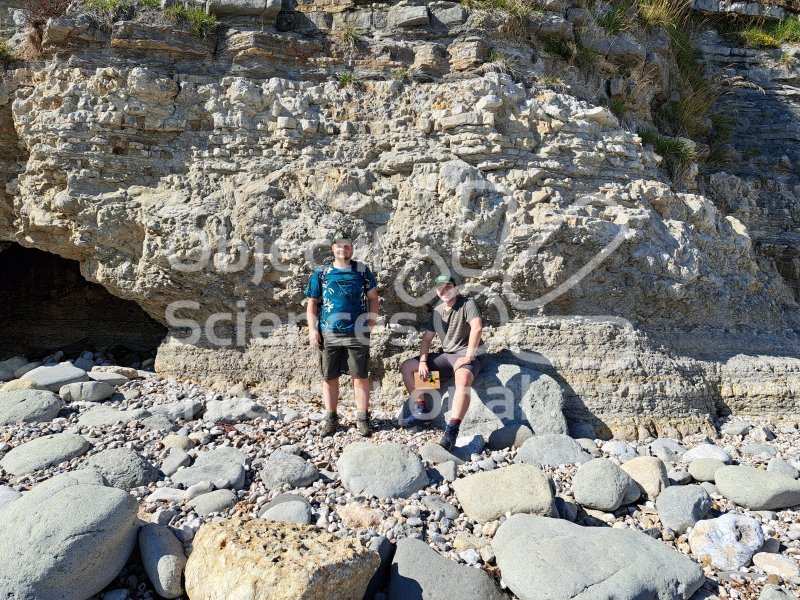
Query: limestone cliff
[{"x": 209, "y": 171}]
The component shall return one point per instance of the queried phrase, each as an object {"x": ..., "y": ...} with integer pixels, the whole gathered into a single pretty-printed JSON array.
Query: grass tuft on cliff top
[
  {"x": 202, "y": 23},
  {"x": 771, "y": 35}
]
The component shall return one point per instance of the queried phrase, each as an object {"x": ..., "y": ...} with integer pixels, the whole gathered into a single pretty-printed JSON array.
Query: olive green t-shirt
[{"x": 452, "y": 326}]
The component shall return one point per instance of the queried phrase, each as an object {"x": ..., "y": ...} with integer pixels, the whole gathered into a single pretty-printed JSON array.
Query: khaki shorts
[{"x": 343, "y": 354}]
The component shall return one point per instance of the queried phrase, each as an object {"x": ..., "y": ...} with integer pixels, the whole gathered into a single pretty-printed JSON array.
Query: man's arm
[
  {"x": 374, "y": 307},
  {"x": 314, "y": 337}
]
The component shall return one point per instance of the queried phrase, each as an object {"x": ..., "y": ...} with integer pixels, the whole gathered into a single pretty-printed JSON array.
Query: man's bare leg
[
  {"x": 330, "y": 400},
  {"x": 407, "y": 370},
  {"x": 330, "y": 394},
  {"x": 361, "y": 389}
]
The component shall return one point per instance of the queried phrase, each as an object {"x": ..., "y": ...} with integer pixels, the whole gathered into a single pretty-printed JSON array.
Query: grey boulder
[
  {"x": 510, "y": 436},
  {"x": 703, "y": 469},
  {"x": 284, "y": 468},
  {"x": 87, "y": 391},
  {"x": 223, "y": 466},
  {"x": 510, "y": 394},
  {"x": 420, "y": 573},
  {"x": 706, "y": 451},
  {"x": 756, "y": 489},
  {"x": 517, "y": 488},
  {"x": 66, "y": 539},
  {"x": 8, "y": 496},
  {"x": 781, "y": 467},
  {"x": 603, "y": 485},
  {"x": 54, "y": 377},
  {"x": 44, "y": 452},
  {"x": 213, "y": 502},
  {"x": 543, "y": 558},
  {"x": 552, "y": 449},
  {"x": 29, "y": 406},
  {"x": 123, "y": 468},
  {"x": 292, "y": 508},
  {"x": 384, "y": 471},
  {"x": 163, "y": 559},
  {"x": 680, "y": 507}
]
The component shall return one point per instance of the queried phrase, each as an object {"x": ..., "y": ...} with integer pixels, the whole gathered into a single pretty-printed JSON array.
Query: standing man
[
  {"x": 341, "y": 332},
  {"x": 457, "y": 322}
]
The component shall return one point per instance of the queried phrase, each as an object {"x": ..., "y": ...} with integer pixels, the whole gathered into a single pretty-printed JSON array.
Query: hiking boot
[
  {"x": 449, "y": 438},
  {"x": 415, "y": 418},
  {"x": 363, "y": 427},
  {"x": 329, "y": 425}
]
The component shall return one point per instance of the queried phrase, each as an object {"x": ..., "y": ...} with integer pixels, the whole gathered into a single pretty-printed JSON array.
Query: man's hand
[
  {"x": 314, "y": 338},
  {"x": 424, "y": 371},
  {"x": 464, "y": 360}
]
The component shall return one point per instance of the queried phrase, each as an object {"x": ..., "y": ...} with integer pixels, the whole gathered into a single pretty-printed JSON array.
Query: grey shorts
[
  {"x": 342, "y": 355},
  {"x": 444, "y": 362}
]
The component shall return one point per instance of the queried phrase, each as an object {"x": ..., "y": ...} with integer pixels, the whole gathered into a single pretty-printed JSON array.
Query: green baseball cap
[
  {"x": 444, "y": 279},
  {"x": 340, "y": 235}
]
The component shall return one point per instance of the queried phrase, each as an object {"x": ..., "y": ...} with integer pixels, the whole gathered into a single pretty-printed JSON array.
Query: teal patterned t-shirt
[{"x": 343, "y": 294}]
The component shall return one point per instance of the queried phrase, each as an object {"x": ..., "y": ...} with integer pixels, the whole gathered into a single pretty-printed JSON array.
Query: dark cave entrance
[{"x": 46, "y": 305}]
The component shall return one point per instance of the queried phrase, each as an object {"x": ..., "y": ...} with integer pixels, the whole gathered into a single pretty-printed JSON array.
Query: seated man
[{"x": 457, "y": 322}]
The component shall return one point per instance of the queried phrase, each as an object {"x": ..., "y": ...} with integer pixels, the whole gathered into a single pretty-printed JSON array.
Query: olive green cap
[{"x": 444, "y": 279}]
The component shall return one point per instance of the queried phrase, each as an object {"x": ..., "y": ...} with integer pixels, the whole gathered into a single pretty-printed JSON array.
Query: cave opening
[{"x": 46, "y": 305}]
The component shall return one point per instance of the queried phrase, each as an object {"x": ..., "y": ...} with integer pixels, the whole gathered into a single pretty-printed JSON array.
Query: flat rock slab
[
  {"x": 542, "y": 558},
  {"x": 109, "y": 378},
  {"x": 435, "y": 454},
  {"x": 54, "y": 377},
  {"x": 123, "y": 468},
  {"x": 516, "y": 488},
  {"x": 183, "y": 409},
  {"x": 223, "y": 466},
  {"x": 257, "y": 558},
  {"x": 728, "y": 542},
  {"x": 234, "y": 410},
  {"x": 29, "y": 406},
  {"x": 163, "y": 559},
  {"x": 681, "y": 506},
  {"x": 384, "y": 471},
  {"x": 105, "y": 416},
  {"x": 68, "y": 538},
  {"x": 283, "y": 468},
  {"x": 418, "y": 572},
  {"x": 44, "y": 452},
  {"x": 552, "y": 449},
  {"x": 756, "y": 489}
]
